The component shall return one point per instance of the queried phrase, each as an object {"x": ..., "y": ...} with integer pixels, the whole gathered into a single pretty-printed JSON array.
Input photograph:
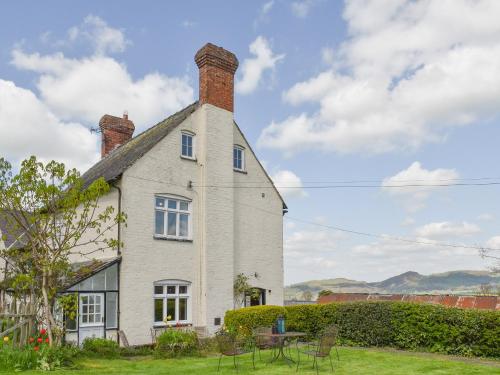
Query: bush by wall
[
  {"x": 174, "y": 343},
  {"x": 401, "y": 325},
  {"x": 99, "y": 347}
]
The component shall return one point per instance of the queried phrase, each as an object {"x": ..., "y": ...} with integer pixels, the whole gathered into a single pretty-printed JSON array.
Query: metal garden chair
[
  {"x": 263, "y": 342},
  {"x": 322, "y": 349},
  {"x": 229, "y": 346}
]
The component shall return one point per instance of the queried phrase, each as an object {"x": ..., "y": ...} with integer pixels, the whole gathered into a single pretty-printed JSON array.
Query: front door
[{"x": 91, "y": 316}]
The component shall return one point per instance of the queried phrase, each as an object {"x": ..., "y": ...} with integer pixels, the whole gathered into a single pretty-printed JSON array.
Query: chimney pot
[
  {"x": 217, "y": 67},
  {"x": 115, "y": 131}
]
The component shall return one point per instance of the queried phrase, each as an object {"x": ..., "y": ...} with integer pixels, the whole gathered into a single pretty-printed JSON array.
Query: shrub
[
  {"x": 99, "y": 347},
  {"x": 383, "y": 323},
  {"x": 175, "y": 343},
  {"x": 45, "y": 359},
  {"x": 246, "y": 319}
]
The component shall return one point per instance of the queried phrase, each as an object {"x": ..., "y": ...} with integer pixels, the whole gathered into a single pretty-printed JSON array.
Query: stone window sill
[
  {"x": 188, "y": 158},
  {"x": 240, "y": 171},
  {"x": 173, "y": 239}
]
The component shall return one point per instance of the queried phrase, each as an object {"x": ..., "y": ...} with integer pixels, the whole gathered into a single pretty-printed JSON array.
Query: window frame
[
  {"x": 177, "y": 296},
  {"x": 101, "y": 313},
  {"x": 193, "y": 144},
  {"x": 178, "y": 212},
  {"x": 242, "y": 150}
]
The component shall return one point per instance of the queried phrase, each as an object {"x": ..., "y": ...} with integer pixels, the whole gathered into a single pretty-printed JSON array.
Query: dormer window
[
  {"x": 238, "y": 158},
  {"x": 187, "y": 145}
]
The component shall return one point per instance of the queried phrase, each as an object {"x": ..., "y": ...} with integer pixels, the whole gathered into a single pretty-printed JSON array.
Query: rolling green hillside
[{"x": 453, "y": 282}]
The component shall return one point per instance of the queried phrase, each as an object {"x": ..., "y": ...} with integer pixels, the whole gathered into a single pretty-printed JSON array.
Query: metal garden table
[{"x": 280, "y": 340}]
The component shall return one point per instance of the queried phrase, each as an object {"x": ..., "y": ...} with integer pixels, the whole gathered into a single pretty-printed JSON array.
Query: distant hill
[{"x": 453, "y": 282}]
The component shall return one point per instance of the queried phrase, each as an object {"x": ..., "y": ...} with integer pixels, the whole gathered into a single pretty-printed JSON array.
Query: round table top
[{"x": 286, "y": 334}]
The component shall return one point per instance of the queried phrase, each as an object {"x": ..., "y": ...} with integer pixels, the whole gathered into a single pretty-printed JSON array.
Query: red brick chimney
[
  {"x": 217, "y": 67},
  {"x": 115, "y": 132}
]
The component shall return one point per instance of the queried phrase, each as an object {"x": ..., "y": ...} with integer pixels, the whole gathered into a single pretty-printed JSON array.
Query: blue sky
[{"x": 326, "y": 92}]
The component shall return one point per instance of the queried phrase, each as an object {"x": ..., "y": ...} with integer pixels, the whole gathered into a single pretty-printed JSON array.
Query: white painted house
[{"x": 193, "y": 224}]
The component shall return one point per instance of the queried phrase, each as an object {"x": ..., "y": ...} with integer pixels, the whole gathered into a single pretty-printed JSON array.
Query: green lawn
[{"x": 352, "y": 361}]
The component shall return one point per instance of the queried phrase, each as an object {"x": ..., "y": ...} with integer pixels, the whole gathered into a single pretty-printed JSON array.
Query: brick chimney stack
[
  {"x": 115, "y": 132},
  {"x": 217, "y": 67}
]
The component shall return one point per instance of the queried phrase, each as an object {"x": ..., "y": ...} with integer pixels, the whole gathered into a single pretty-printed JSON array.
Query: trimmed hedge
[{"x": 400, "y": 325}]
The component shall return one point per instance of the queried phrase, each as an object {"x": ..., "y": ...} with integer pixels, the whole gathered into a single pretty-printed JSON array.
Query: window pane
[
  {"x": 91, "y": 318},
  {"x": 171, "y": 289},
  {"x": 171, "y": 309},
  {"x": 183, "y": 225},
  {"x": 160, "y": 202},
  {"x": 159, "y": 222},
  {"x": 85, "y": 309},
  {"x": 235, "y": 163},
  {"x": 158, "y": 289},
  {"x": 91, "y": 300},
  {"x": 84, "y": 300},
  {"x": 98, "y": 318},
  {"x": 172, "y": 223},
  {"x": 111, "y": 309},
  {"x": 185, "y": 150},
  {"x": 86, "y": 284},
  {"x": 189, "y": 141},
  {"x": 112, "y": 278},
  {"x": 98, "y": 282},
  {"x": 172, "y": 204},
  {"x": 182, "y": 308},
  {"x": 184, "y": 206},
  {"x": 70, "y": 323},
  {"x": 84, "y": 319},
  {"x": 159, "y": 310},
  {"x": 183, "y": 289}
]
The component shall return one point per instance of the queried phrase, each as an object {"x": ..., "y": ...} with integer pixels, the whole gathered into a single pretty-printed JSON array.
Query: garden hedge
[{"x": 400, "y": 325}]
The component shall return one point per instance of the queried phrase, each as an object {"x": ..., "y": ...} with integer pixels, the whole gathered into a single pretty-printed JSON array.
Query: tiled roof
[
  {"x": 112, "y": 166},
  {"x": 10, "y": 236},
  {"x": 464, "y": 302}
]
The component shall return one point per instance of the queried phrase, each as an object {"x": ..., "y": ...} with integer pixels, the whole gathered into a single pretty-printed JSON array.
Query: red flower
[
  {"x": 36, "y": 348},
  {"x": 43, "y": 331},
  {"x": 40, "y": 340},
  {"x": 31, "y": 340},
  {"x": 47, "y": 340}
]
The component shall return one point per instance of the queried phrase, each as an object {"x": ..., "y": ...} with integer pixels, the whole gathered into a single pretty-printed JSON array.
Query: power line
[
  {"x": 387, "y": 237},
  {"x": 341, "y": 229},
  {"x": 345, "y": 186}
]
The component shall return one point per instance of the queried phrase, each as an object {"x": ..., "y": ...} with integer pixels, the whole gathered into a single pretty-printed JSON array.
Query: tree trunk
[{"x": 46, "y": 307}]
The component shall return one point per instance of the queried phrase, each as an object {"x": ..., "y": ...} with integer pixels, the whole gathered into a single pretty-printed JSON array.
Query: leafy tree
[
  {"x": 307, "y": 295},
  {"x": 325, "y": 292},
  {"x": 54, "y": 216},
  {"x": 242, "y": 288}
]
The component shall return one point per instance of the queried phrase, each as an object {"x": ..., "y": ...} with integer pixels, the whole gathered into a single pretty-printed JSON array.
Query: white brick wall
[{"x": 230, "y": 235}]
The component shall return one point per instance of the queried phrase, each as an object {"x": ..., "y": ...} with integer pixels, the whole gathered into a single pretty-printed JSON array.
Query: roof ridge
[{"x": 116, "y": 162}]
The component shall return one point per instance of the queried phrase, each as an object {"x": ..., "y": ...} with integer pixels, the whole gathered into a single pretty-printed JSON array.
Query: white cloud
[
  {"x": 87, "y": 88},
  {"x": 266, "y": 7},
  {"x": 105, "y": 39},
  {"x": 327, "y": 55},
  {"x": 73, "y": 93},
  {"x": 253, "y": 68},
  {"x": 311, "y": 242},
  {"x": 447, "y": 229},
  {"x": 28, "y": 127},
  {"x": 486, "y": 217},
  {"x": 301, "y": 8},
  {"x": 408, "y": 221},
  {"x": 188, "y": 24},
  {"x": 408, "y": 74},
  {"x": 493, "y": 242},
  {"x": 288, "y": 184},
  {"x": 415, "y": 197}
]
